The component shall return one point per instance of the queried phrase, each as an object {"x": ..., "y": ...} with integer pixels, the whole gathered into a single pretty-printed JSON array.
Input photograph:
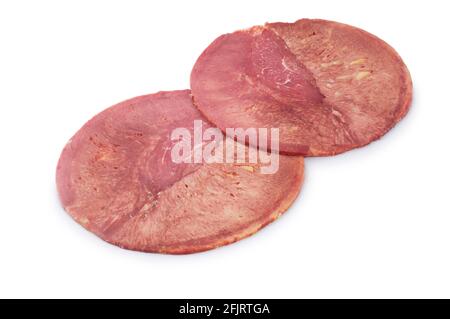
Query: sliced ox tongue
[
  {"x": 116, "y": 178},
  {"x": 328, "y": 87}
]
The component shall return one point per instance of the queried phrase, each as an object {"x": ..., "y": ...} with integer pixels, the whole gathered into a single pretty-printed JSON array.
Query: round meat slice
[
  {"x": 118, "y": 178},
  {"x": 327, "y": 86}
]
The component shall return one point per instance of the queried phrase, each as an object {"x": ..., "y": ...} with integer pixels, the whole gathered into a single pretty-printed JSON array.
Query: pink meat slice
[
  {"x": 327, "y": 86},
  {"x": 116, "y": 178}
]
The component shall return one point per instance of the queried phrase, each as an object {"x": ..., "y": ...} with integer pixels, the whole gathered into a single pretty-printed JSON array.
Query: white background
[{"x": 373, "y": 222}]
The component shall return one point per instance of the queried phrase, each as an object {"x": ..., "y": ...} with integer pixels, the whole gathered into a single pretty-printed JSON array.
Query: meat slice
[
  {"x": 116, "y": 178},
  {"x": 328, "y": 87}
]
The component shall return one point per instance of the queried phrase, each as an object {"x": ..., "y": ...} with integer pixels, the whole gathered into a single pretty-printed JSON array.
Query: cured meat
[
  {"x": 116, "y": 178},
  {"x": 327, "y": 86}
]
